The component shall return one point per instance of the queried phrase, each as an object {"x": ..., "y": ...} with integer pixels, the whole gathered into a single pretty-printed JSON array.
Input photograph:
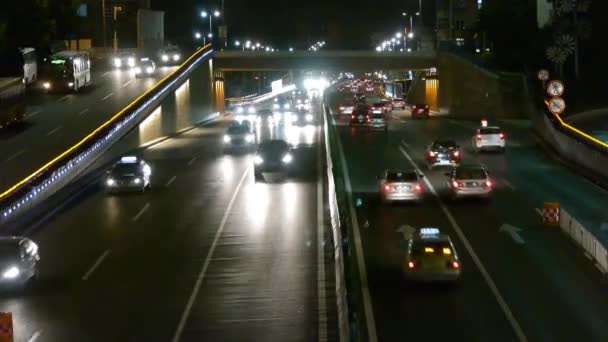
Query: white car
[
  {"x": 401, "y": 185},
  {"x": 145, "y": 68},
  {"x": 469, "y": 181},
  {"x": 489, "y": 138}
]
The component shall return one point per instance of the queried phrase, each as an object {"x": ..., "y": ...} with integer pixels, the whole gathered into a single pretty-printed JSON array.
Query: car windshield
[
  {"x": 444, "y": 144},
  {"x": 126, "y": 168},
  {"x": 378, "y": 116},
  {"x": 273, "y": 147},
  {"x": 237, "y": 129},
  {"x": 429, "y": 247},
  {"x": 9, "y": 250},
  {"x": 490, "y": 130},
  {"x": 470, "y": 173},
  {"x": 398, "y": 176}
]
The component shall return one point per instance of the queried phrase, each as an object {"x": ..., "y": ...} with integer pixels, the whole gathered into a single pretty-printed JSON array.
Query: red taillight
[
  {"x": 478, "y": 136},
  {"x": 352, "y": 116},
  {"x": 411, "y": 265},
  {"x": 431, "y": 154},
  {"x": 387, "y": 188},
  {"x": 455, "y": 264},
  {"x": 502, "y": 136},
  {"x": 456, "y": 184},
  {"x": 488, "y": 184},
  {"x": 418, "y": 187},
  {"x": 456, "y": 153}
]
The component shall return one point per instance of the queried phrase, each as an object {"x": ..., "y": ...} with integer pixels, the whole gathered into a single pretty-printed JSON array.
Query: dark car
[
  {"x": 238, "y": 136},
  {"x": 378, "y": 108},
  {"x": 170, "y": 56},
  {"x": 362, "y": 115},
  {"x": 130, "y": 173},
  {"x": 272, "y": 156},
  {"x": 18, "y": 261},
  {"x": 420, "y": 111},
  {"x": 443, "y": 153}
]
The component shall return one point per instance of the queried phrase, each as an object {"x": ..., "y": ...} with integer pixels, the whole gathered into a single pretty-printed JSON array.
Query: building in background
[
  {"x": 544, "y": 11},
  {"x": 115, "y": 22},
  {"x": 456, "y": 20}
]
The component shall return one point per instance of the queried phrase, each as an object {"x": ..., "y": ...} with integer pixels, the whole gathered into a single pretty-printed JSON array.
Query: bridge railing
[{"x": 65, "y": 167}]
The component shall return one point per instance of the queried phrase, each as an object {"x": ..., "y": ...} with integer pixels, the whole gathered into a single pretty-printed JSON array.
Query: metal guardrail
[
  {"x": 65, "y": 167},
  {"x": 336, "y": 226}
]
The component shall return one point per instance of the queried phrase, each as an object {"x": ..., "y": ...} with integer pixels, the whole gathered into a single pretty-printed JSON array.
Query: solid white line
[
  {"x": 201, "y": 276},
  {"x": 170, "y": 181},
  {"x": 83, "y": 111},
  {"x": 322, "y": 324},
  {"x": 34, "y": 113},
  {"x": 105, "y": 74},
  {"x": 65, "y": 97},
  {"x": 486, "y": 276},
  {"x": 35, "y": 336},
  {"x": 107, "y": 97},
  {"x": 538, "y": 211},
  {"x": 141, "y": 212},
  {"x": 367, "y": 299},
  {"x": 95, "y": 265},
  {"x": 17, "y": 154},
  {"x": 508, "y": 184},
  {"x": 53, "y": 131},
  {"x": 191, "y": 161},
  {"x": 126, "y": 84}
]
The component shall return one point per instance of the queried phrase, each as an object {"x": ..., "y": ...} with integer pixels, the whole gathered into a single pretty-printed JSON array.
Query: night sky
[{"x": 283, "y": 23}]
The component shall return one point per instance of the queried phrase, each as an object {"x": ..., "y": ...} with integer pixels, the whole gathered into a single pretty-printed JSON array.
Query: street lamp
[
  {"x": 209, "y": 35},
  {"x": 410, "y": 35},
  {"x": 290, "y": 49},
  {"x": 198, "y": 35},
  {"x": 216, "y": 13},
  {"x": 206, "y": 14}
]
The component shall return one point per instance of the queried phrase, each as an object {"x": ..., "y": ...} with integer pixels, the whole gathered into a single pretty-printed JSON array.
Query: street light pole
[{"x": 103, "y": 22}]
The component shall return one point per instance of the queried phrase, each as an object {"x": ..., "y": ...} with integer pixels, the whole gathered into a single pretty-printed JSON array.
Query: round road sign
[
  {"x": 555, "y": 88},
  {"x": 557, "y": 105},
  {"x": 543, "y": 75}
]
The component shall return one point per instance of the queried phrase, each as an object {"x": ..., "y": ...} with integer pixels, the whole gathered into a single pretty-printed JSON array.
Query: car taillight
[
  {"x": 454, "y": 264},
  {"x": 502, "y": 136},
  {"x": 418, "y": 187},
  {"x": 352, "y": 116},
  {"x": 478, "y": 136},
  {"x": 368, "y": 118},
  {"x": 431, "y": 154},
  {"x": 387, "y": 188},
  {"x": 457, "y": 184},
  {"x": 411, "y": 265},
  {"x": 488, "y": 184},
  {"x": 456, "y": 153}
]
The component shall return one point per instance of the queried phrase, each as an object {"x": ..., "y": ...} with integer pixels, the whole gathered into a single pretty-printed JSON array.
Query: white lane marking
[
  {"x": 191, "y": 161},
  {"x": 34, "y": 113},
  {"x": 538, "y": 211},
  {"x": 35, "y": 336},
  {"x": 126, "y": 84},
  {"x": 201, "y": 276},
  {"x": 83, "y": 111},
  {"x": 141, "y": 212},
  {"x": 170, "y": 181},
  {"x": 95, "y": 265},
  {"x": 508, "y": 184},
  {"x": 486, "y": 276},
  {"x": 65, "y": 97},
  {"x": 322, "y": 324},
  {"x": 53, "y": 131},
  {"x": 105, "y": 74},
  {"x": 14, "y": 155},
  {"x": 107, "y": 97},
  {"x": 406, "y": 144},
  {"x": 367, "y": 298}
]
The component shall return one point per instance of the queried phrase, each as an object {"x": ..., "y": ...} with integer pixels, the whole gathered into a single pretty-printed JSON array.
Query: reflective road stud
[
  {"x": 551, "y": 214},
  {"x": 6, "y": 327}
]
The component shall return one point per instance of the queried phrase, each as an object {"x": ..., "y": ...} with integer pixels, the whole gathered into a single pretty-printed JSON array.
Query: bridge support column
[{"x": 218, "y": 90}]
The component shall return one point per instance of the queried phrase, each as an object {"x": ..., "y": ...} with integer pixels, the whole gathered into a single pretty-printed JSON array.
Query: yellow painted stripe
[
  {"x": 104, "y": 125},
  {"x": 581, "y": 133}
]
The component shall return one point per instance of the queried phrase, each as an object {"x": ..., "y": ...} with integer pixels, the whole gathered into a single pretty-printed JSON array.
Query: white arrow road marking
[{"x": 513, "y": 232}]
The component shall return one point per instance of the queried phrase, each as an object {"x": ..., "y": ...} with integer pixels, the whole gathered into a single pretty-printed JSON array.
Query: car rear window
[
  {"x": 490, "y": 130},
  {"x": 432, "y": 247},
  {"x": 470, "y": 173},
  {"x": 378, "y": 116},
  {"x": 393, "y": 176},
  {"x": 444, "y": 144},
  {"x": 379, "y": 104},
  {"x": 273, "y": 147},
  {"x": 237, "y": 130}
]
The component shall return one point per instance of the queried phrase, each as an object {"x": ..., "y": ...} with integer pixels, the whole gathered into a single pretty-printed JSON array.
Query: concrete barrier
[
  {"x": 585, "y": 239},
  {"x": 62, "y": 170}
]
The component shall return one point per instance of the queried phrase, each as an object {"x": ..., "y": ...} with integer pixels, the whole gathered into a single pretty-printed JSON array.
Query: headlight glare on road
[
  {"x": 227, "y": 138},
  {"x": 137, "y": 180},
  {"x": 110, "y": 182},
  {"x": 308, "y": 117},
  {"x": 287, "y": 158},
  {"x": 117, "y": 62},
  {"x": 258, "y": 160},
  {"x": 11, "y": 273}
]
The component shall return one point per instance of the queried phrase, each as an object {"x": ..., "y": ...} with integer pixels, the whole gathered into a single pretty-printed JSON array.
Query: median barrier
[
  {"x": 585, "y": 239},
  {"x": 66, "y": 167}
]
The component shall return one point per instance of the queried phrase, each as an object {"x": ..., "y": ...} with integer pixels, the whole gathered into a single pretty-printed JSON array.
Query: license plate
[
  {"x": 403, "y": 188},
  {"x": 360, "y": 118},
  {"x": 441, "y": 156}
]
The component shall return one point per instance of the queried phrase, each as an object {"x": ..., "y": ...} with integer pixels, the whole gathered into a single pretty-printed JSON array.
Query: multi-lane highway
[
  {"x": 56, "y": 121},
  {"x": 533, "y": 285},
  {"x": 207, "y": 254}
]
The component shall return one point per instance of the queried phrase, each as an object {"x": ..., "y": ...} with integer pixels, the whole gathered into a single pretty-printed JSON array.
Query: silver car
[
  {"x": 431, "y": 257},
  {"x": 401, "y": 185},
  {"x": 469, "y": 181},
  {"x": 18, "y": 260}
]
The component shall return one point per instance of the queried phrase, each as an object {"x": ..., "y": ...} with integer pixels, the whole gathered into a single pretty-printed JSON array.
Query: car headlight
[
  {"x": 165, "y": 58},
  {"x": 239, "y": 110},
  {"x": 286, "y": 106},
  {"x": 287, "y": 158},
  {"x": 110, "y": 182},
  {"x": 131, "y": 62},
  {"x": 249, "y": 138},
  {"x": 117, "y": 62},
  {"x": 138, "y": 70},
  {"x": 11, "y": 273},
  {"x": 137, "y": 180},
  {"x": 176, "y": 57},
  {"x": 149, "y": 70},
  {"x": 46, "y": 85},
  {"x": 70, "y": 84},
  {"x": 308, "y": 117},
  {"x": 258, "y": 160},
  {"x": 227, "y": 138},
  {"x": 276, "y": 106}
]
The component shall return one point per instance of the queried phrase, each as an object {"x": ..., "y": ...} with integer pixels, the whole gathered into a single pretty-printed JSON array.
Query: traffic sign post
[
  {"x": 6, "y": 327},
  {"x": 556, "y": 105},
  {"x": 543, "y": 75},
  {"x": 555, "y": 88}
]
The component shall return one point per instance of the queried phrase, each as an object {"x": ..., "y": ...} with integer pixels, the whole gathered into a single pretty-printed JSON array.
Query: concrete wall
[{"x": 470, "y": 91}]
